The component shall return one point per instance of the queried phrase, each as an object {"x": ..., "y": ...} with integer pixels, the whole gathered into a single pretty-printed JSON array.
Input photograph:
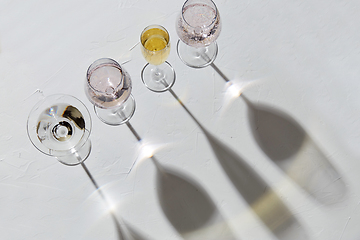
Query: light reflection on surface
[
  {"x": 232, "y": 90},
  {"x": 146, "y": 151},
  {"x": 111, "y": 206}
]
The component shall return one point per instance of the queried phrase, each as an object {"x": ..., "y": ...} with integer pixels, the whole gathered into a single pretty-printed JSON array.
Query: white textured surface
[{"x": 298, "y": 57}]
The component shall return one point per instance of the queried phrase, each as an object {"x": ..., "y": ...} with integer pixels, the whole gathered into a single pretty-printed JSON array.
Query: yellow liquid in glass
[{"x": 155, "y": 46}]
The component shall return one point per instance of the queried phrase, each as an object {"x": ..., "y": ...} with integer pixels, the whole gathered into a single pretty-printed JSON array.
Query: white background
[{"x": 298, "y": 57}]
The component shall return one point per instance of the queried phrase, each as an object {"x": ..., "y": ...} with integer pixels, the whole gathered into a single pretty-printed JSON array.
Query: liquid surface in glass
[
  {"x": 108, "y": 86},
  {"x": 199, "y": 15},
  {"x": 199, "y": 25},
  {"x": 155, "y": 46},
  {"x": 60, "y": 127}
]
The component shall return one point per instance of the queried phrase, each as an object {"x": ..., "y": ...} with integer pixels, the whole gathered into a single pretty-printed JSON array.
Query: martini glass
[
  {"x": 198, "y": 26},
  {"x": 108, "y": 86},
  {"x": 60, "y": 126}
]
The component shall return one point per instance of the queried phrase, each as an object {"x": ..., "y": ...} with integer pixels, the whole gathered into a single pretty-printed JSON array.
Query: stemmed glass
[
  {"x": 198, "y": 26},
  {"x": 157, "y": 75},
  {"x": 108, "y": 86},
  {"x": 60, "y": 126}
]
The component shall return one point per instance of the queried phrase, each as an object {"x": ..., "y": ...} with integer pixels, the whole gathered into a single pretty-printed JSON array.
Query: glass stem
[
  {"x": 120, "y": 112},
  {"x": 158, "y": 76},
  {"x": 203, "y": 54}
]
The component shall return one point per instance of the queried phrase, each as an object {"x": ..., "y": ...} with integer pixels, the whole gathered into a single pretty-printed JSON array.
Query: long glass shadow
[
  {"x": 288, "y": 145},
  {"x": 258, "y": 194},
  {"x": 186, "y": 205}
]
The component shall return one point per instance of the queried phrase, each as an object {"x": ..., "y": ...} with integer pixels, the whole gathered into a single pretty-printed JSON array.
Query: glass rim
[
  {"x": 37, "y": 107},
  {"x": 151, "y": 27},
  {"x": 212, "y": 22},
  {"x": 98, "y": 64}
]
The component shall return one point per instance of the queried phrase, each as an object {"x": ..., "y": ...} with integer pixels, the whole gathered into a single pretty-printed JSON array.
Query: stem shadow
[{"x": 124, "y": 231}]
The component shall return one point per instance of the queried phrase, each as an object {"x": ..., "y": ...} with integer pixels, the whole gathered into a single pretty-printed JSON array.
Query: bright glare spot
[
  {"x": 233, "y": 90},
  {"x": 112, "y": 206},
  {"x": 148, "y": 151},
  {"x": 104, "y": 196}
]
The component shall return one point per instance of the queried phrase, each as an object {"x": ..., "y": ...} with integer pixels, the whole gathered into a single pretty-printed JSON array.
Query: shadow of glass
[
  {"x": 124, "y": 232},
  {"x": 189, "y": 208},
  {"x": 133, "y": 234},
  {"x": 186, "y": 204},
  {"x": 287, "y": 144},
  {"x": 260, "y": 197}
]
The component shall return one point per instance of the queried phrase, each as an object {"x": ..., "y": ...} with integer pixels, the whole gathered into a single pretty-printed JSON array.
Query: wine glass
[
  {"x": 157, "y": 75},
  {"x": 60, "y": 126},
  {"x": 198, "y": 26},
  {"x": 108, "y": 86}
]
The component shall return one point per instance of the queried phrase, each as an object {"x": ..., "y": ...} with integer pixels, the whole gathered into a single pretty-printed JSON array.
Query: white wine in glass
[
  {"x": 157, "y": 74},
  {"x": 156, "y": 45}
]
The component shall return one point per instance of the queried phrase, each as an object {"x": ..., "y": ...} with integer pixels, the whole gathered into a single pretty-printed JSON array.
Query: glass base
[
  {"x": 158, "y": 78},
  {"x": 119, "y": 115},
  {"x": 78, "y": 156},
  {"x": 197, "y": 57}
]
